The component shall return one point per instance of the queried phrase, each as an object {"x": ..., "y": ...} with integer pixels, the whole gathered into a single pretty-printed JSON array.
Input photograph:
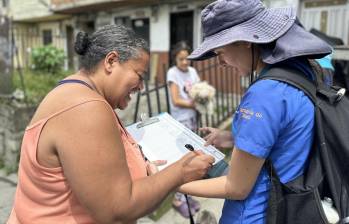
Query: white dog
[{"x": 203, "y": 95}]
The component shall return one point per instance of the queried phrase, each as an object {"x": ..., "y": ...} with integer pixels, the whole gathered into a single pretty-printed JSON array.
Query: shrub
[
  {"x": 48, "y": 59},
  {"x": 37, "y": 85}
]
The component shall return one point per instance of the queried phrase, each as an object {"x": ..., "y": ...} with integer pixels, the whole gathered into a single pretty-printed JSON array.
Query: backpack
[{"x": 327, "y": 172}]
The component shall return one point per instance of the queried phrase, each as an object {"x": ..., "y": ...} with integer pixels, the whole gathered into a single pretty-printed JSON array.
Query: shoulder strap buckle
[{"x": 340, "y": 93}]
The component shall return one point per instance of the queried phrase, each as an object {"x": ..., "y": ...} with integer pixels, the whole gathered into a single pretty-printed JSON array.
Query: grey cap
[{"x": 229, "y": 21}]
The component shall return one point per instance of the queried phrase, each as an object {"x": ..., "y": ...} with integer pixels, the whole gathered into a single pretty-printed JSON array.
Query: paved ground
[
  {"x": 213, "y": 205},
  {"x": 8, "y": 187}
]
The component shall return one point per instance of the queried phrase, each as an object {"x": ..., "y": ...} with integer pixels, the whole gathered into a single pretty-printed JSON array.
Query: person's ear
[{"x": 110, "y": 59}]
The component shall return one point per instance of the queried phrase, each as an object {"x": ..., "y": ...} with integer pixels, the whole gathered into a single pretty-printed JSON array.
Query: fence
[{"x": 229, "y": 89}]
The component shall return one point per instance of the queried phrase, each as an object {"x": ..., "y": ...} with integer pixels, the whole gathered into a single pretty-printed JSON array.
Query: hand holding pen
[
  {"x": 195, "y": 165},
  {"x": 191, "y": 148}
]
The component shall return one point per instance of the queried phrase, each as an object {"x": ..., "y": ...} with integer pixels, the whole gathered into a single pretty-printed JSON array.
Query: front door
[{"x": 182, "y": 28}]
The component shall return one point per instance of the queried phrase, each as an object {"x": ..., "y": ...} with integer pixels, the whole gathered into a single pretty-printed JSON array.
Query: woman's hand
[
  {"x": 152, "y": 167},
  {"x": 218, "y": 138},
  {"x": 194, "y": 165}
]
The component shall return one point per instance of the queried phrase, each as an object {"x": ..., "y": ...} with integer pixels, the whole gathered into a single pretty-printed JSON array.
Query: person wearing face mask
[
  {"x": 180, "y": 79},
  {"x": 275, "y": 120},
  {"x": 78, "y": 164}
]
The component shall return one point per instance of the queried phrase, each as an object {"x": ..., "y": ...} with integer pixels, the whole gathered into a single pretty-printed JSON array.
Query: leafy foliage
[
  {"x": 48, "y": 59},
  {"x": 37, "y": 85}
]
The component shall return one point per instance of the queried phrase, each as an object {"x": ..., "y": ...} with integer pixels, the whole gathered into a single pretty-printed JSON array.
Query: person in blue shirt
[{"x": 274, "y": 120}]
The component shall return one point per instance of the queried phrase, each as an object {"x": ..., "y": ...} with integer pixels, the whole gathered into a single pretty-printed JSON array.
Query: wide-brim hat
[
  {"x": 296, "y": 42},
  {"x": 228, "y": 21}
]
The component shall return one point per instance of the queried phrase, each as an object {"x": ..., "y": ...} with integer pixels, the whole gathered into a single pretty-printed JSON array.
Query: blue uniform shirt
[{"x": 274, "y": 120}]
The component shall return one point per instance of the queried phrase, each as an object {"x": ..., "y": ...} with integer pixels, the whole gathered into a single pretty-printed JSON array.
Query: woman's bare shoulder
[{"x": 64, "y": 97}]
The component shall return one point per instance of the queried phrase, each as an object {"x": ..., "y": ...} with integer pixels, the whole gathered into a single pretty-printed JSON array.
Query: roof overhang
[
  {"x": 45, "y": 18},
  {"x": 79, "y": 6}
]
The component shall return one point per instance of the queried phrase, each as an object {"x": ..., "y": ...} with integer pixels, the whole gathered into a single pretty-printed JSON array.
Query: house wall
[
  {"x": 332, "y": 20},
  {"x": 69, "y": 3},
  {"x": 337, "y": 16},
  {"x": 159, "y": 28},
  {"x": 159, "y": 18},
  {"x": 27, "y": 9},
  {"x": 30, "y": 18},
  {"x": 29, "y": 36},
  {"x": 282, "y": 3}
]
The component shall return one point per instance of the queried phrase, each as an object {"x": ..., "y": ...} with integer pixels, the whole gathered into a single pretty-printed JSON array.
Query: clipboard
[{"x": 163, "y": 138}]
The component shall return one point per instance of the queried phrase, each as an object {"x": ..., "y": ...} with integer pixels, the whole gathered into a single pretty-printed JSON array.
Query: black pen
[
  {"x": 191, "y": 148},
  {"x": 144, "y": 157}
]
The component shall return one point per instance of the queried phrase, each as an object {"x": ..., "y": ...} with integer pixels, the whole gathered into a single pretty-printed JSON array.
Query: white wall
[
  {"x": 133, "y": 13},
  {"x": 159, "y": 19},
  {"x": 283, "y": 3},
  {"x": 159, "y": 22},
  {"x": 160, "y": 30},
  {"x": 337, "y": 20},
  {"x": 26, "y": 9},
  {"x": 103, "y": 18}
]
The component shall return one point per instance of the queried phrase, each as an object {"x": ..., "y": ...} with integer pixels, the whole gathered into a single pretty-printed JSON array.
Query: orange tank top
[{"x": 43, "y": 194}]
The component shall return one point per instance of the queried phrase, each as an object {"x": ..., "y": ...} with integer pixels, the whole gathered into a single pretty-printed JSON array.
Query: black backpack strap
[
  {"x": 296, "y": 79},
  {"x": 292, "y": 77}
]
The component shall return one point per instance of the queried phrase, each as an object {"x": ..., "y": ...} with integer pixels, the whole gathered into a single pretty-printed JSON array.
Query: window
[
  {"x": 125, "y": 21},
  {"x": 141, "y": 28},
  {"x": 47, "y": 37}
]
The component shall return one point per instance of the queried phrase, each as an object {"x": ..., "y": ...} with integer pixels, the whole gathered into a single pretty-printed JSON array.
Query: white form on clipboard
[{"x": 162, "y": 137}]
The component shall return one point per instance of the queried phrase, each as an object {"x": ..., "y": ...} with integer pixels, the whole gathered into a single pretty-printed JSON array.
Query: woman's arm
[
  {"x": 92, "y": 155},
  {"x": 176, "y": 98},
  {"x": 237, "y": 185}
]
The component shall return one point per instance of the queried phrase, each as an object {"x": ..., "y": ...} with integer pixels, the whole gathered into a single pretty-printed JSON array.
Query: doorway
[{"x": 181, "y": 29}]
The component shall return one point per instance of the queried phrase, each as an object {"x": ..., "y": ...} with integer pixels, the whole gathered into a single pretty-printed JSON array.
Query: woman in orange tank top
[{"x": 78, "y": 164}]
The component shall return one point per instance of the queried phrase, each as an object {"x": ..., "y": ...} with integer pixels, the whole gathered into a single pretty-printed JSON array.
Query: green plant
[
  {"x": 37, "y": 85},
  {"x": 48, "y": 59}
]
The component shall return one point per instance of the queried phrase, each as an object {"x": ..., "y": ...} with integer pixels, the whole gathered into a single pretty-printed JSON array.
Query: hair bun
[{"x": 81, "y": 43}]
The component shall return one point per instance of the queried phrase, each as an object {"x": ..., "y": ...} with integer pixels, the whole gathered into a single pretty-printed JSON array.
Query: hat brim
[
  {"x": 266, "y": 27},
  {"x": 296, "y": 42}
]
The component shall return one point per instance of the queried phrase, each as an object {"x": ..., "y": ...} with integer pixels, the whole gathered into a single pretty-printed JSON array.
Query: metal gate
[{"x": 229, "y": 90}]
